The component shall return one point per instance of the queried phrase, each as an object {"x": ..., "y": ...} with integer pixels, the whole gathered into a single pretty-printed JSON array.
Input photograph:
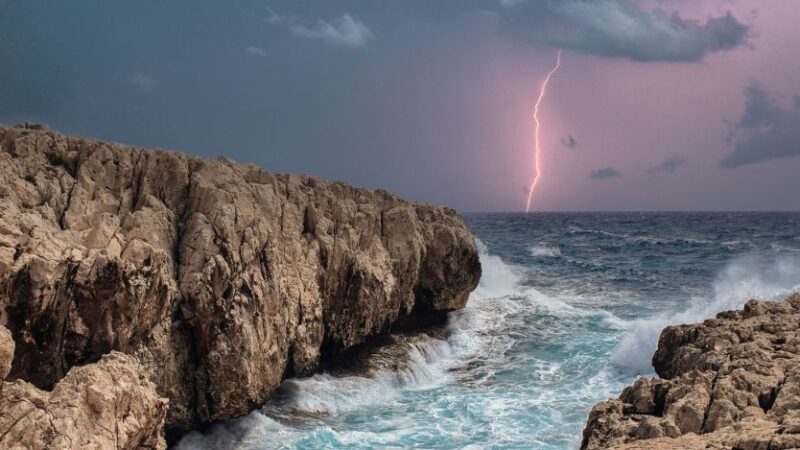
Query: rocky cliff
[
  {"x": 218, "y": 279},
  {"x": 730, "y": 382}
]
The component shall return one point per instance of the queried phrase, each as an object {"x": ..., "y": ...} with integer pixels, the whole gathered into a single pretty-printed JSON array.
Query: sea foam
[
  {"x": 744, "y": 278},
  {"x": 545, "y": 251}
]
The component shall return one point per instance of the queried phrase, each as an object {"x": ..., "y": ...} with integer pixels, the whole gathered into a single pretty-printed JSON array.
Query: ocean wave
[
  {"x": 503, "y": 294},
  {"x": 249, "y": 431},
  {"x": 683, "y": 241},
  {"x": 782, "y": 248},
  {"x": 574, "y": 230},
  {"x": 326, "y": 394},
  {"x": 644, "y": 240},
  {"x": 744, "y": 278},
  {"x": 547, "y": 251},
  {"x": 736, "y": 245}
]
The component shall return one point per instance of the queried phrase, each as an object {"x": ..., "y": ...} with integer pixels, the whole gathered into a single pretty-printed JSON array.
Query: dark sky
[{"x": 658, "y": 104}]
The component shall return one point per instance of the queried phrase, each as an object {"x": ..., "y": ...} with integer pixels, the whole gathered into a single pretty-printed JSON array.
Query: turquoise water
[{"x": 567, "y": 313}]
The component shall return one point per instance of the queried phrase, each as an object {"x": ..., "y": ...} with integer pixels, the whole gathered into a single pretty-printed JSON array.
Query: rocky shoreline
[
  {"x": 147, "y": 291},
  {"x": 732, "y": 382}
]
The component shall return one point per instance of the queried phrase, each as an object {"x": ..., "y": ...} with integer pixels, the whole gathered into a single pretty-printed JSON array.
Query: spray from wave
[
  {"x": 546, "y": 251},
  {"x": 310, "y": 400},
  {"x": 744, "y": 278}
]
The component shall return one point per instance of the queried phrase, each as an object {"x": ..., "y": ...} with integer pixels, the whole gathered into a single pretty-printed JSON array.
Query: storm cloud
[
  {"x": 616, "y": 28},
  {"x": 669, "y": 166},
  {"x": 345, "y": 31},
  {"x": 765, "y": 131},
  {"x": 604, "y": 173},
  {"x": 569, "y": 141}
]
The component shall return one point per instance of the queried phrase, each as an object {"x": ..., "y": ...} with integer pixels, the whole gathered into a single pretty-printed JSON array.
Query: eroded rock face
[
  {"x": 221, "y": 278},
  {"x": 730, "y": 382},
  {"x": 108, "y": 404}
]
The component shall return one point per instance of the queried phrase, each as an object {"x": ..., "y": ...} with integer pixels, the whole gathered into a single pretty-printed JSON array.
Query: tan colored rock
[
  {"x": 222, "y": 278},
  {"x": 747, "y": 435},
  {"x": 104, "y": 405},
  {"x": 6, "y": 352},
  {"x": 730, "y": 382}
]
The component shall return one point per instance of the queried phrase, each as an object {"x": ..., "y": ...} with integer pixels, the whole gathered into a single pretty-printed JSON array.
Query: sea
[{"x": 568, "y": 312}]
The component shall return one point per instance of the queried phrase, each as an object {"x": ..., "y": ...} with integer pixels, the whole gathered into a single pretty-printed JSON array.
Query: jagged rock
[
  {"x": 107, "y": 404},
  {"x": 730, "y": 382},
  {"x": 221, "y": 278}
]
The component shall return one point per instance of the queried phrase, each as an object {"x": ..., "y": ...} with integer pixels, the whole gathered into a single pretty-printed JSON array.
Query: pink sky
[{"x": 632, "y": 116}]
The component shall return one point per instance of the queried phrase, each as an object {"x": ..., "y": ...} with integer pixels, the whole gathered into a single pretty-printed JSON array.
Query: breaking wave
[
  {"x": 747, "y": 277},
  {"x": 545, "y": 251}
]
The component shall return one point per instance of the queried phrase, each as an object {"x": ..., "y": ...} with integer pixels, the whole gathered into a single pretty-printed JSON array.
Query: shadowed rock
[{"x": 108, "y": 404}]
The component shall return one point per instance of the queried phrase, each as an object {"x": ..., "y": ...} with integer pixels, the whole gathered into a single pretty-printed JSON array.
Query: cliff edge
[
  {"x": 730, "y": 382},
  {"x": 214, "y": 280}
]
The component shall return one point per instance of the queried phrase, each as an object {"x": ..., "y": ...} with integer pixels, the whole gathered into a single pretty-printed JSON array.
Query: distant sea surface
[{"x": 568, "y": 312}]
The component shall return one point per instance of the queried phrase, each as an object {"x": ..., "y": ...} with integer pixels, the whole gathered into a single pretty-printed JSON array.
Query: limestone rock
[
  {"x": 107, "y": 404},
  {"x": 730, "y": 382},
  {"x": 6, "y": 352},
  {"x": 221, "y": 278}
]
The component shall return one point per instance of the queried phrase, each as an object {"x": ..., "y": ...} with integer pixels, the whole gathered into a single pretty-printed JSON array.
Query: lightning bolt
[{"x": 537, "y": 146}]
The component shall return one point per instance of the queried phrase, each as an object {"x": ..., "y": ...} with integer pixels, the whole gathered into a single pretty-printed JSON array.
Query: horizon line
[{"x": 616, "y": 211}]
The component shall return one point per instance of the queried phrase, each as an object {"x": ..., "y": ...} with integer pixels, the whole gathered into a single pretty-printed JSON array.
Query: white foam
[
  {"x": 545, "y": 251},
  {"x": 742, "y": 279},
  {"x": 325, "y": 395},
  {"x": 245, "y": 432},
  {"x": 501, "y": 293},
  {"x": 498, "y": 279},
  {"x": 783, "y": 248},
  {"x": 494, "y": 304}
]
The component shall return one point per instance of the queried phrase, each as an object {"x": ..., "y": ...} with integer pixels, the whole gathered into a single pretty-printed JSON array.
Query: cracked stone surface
[
  {"x": 222, "y": 279},
  {"x": 108, "y": 404},
  {"x": 729, "y": 382}
]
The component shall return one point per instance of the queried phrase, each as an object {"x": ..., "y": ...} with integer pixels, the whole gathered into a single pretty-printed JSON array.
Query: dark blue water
[{"x": 568, "y": 312}]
